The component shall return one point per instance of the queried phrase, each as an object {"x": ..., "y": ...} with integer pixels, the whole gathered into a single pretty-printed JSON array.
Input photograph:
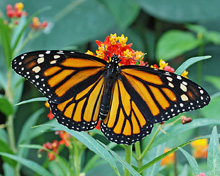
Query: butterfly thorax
[{"x": 110, "y": 76}]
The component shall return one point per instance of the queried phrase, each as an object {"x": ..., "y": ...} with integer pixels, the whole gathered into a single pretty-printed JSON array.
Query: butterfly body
[
  {"x": 81, "y": 89},
  {"x": 110, "y": 76}
]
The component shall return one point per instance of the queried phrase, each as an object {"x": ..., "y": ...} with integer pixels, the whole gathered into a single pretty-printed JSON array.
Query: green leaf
[
  {"x": 196, "y": 28},
  {"x": 213, "y": 159},
  {"x": 8, "y": 170},
  {"x": 125, "y": 13},
  {"x": 123, "y": 162},
  {"x": 155, "y": 160},
  {"x": 191, "y": 161},
  {"x": 190, "y": 62},
  {"x": 4, "y": 147},
  {"x": 32, "y": 100},
  {"x": 3, "y": 135},
  {"x": 174, "y": 43},
  {"x": 91, "y": 143},
  {"x": 5, "y": 106},
  {"x": 184, "y": 171},
  {"x": 5, "y": 41},
  {"x": 181, "y": 129},
  {"x": 26, "y": 129},
  {"x": 182, "y": 11},
  {"x": 214, "y": 80},
  {"x": 214, "y": 37},
  {"x": 29, "y": 164},
  {"x": 86, "y": 19},
  {"x": 212, "y": 110},
  {"x": 3, "y": 81}
]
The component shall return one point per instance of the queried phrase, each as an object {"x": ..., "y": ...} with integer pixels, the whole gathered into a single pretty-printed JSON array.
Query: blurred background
[{"x": 170, "y": 30}]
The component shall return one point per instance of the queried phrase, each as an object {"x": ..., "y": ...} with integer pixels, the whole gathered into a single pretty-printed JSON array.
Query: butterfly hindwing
[
  {"x": 81, "y": 111},
  {"x": 125, "y": 124},
  {"x": 162, "y": 95},
  {"x": 59, "y": 75}
]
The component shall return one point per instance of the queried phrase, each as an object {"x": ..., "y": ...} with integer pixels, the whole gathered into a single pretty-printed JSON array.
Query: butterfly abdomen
[{"x": 110, "y": 77}]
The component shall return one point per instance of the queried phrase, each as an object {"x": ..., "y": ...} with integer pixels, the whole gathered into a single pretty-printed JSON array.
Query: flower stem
[
  {"x": 128, "y": 153},
  {"x": 10, "y": 119},
  {"x": 138, "y": 154},
  {"x": 149, "y": 144}
]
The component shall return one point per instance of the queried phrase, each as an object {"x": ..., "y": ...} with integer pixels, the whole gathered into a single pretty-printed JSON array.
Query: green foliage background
[{"x": 164, "y": 29}]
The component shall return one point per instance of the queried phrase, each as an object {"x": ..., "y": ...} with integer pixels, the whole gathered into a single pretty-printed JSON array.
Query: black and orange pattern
[{"x": 128, "y": 99}]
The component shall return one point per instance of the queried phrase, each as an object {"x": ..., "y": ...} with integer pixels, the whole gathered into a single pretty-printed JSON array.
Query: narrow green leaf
[
  {"x": 5, "y": 41},
  {"x": 213, "y": 159},
  {"x": 214, "y": 80},
  {"x": 4, "y": 147},
  {"x": 212, "y": 110},
  {"x": 29, "y": 164},
  {"x": 5, "y": 106},
  {"x": 184, "y": 171},
  {"x": 91, "y": 143},
  {"x": 181, "y": 129},
  {"x": 32, "y": 100},
  {"x": 191, "y": 161},
  {"x": 3, "y": 81},
  {"x": 155, "y": 160},
  {"x": 3, "y": 135},
  {"x": 174, "y": 43},
  {"x": 26, "y": 129},
  {"x": 190, "y": 62},
  {"x": 123, "y": 162},
  {"x": 8, "y": 170}
]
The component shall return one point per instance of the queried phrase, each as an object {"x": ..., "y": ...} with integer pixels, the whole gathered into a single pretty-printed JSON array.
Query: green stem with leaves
[{"x": 10, "y": 118}]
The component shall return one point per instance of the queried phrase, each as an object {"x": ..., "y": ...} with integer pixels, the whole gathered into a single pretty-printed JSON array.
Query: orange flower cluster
[
  {"x": 36, "y": 24},
  {"x": 114, "y": 44},
  {"x": 53, "y": 147},
  {"x": 15, "y": 12}
]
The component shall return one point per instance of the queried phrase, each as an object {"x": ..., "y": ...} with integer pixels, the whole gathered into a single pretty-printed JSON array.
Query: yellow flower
[
  {"x": 162, "y": 64},
  {"x": 100, "y": 54},
  {"x": 184, "y": 74},
  {"x": 169, "y": 159},
  {"x": 128, "y": 54},
  {"x": 123, "y": 40},
  {"x": 19, "y": 6},
  {"x": 36, "y": 21},
  {"x": 113, "y": 39},
  {"x": 138, "y": 55},
  {"x": 89, "y": 52},
  {"x": 200, "y": 148}
]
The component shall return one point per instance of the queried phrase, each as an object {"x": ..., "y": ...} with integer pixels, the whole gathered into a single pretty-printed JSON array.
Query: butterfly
[{"x": 129, "y": 100}]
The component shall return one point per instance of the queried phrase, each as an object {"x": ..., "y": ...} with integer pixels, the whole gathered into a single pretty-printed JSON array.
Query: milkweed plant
[{"x": 68, "y": 152}]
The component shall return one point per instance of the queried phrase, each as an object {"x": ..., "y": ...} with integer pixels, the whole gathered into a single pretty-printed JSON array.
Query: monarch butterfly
[{"x": 81, "y": 89}]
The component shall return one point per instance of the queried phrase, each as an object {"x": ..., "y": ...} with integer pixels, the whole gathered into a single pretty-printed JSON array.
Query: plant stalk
[{"x": 128, "y": 154}]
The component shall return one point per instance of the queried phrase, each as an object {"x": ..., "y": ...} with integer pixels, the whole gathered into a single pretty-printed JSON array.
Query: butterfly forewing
[
  {"x": 59, "y": 75},
  {"x": 162, "y": 95}
]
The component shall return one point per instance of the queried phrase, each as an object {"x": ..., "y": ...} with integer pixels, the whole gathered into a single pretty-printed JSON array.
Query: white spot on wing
[
  {"x": 40, "y": 60},
  {"x": 36, "y": 69},
  {"x": 184, "y": 97}
]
